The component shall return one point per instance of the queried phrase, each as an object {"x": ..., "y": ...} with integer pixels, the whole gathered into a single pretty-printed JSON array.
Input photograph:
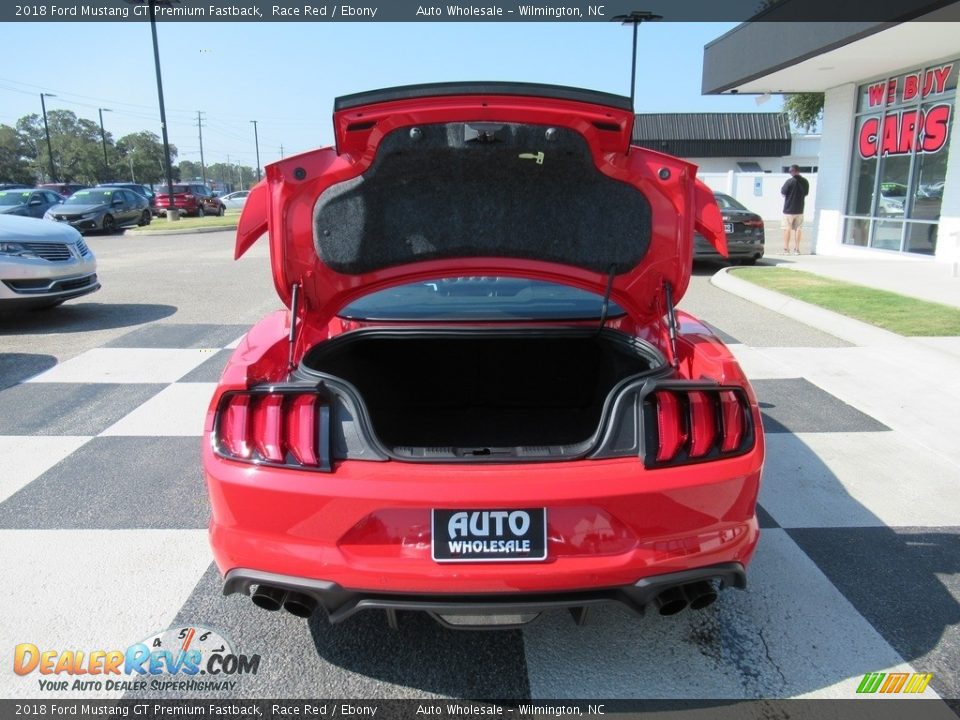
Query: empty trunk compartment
[{"x": 481, "y": 393}]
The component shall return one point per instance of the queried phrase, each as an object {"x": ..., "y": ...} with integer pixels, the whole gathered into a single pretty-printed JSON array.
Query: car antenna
[
  {"x": 635, "y": 18},
  {"x": 605, "y": 307}
]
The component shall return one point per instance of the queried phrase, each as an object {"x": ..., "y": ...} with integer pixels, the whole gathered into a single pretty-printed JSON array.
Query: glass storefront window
[
  {"x": 900, "y": 159},
  {"x": 887, "y": 234},
  {"x": 856, "y": 231},
  {"x": 921, "y": 238}
]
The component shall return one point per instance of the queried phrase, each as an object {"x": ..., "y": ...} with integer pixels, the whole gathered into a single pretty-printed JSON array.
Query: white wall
[
  {"x": 836, "y": 148},
  {"x": 769, "y": 202}
]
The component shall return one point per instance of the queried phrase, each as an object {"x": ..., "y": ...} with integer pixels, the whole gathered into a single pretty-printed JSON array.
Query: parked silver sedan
[
  {"x": 43, "y": 263},
  {"x": 235, "y": 200}
]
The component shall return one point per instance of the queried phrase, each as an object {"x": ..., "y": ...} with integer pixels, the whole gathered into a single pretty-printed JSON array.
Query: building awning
[
  {"x": 756, "y": 134},
  {"x": 765, "y": 55}
]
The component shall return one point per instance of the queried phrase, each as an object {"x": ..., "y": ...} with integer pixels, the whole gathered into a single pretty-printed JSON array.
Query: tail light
[
  {"x": 288, "y": 428},
  {"x": 692, "y": 425},
  {"x": 753, "y": 223}
]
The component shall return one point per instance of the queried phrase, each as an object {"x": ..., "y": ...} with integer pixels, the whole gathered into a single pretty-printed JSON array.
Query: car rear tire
[
  {"x": 145, "y": 218},
  {"x": 109, "y": 224},
  {"x": 200, "y": 212},
  {"x": 222, "y": 210},
  {"x": 748, "y": 261}
]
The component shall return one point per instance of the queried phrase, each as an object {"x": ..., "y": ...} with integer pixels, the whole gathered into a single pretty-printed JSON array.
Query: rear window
[
  {"x": 177, "y": 189},
  {"x": 479, "y": 299},
  {"x": 725, "y": 202}
]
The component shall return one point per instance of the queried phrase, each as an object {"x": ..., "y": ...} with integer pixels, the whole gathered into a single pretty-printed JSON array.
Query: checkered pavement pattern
[{"x": 103, "y": 542}]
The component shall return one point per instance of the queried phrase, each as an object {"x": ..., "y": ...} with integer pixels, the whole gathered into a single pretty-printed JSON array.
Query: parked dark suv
[{"x": 189, "y": 198}]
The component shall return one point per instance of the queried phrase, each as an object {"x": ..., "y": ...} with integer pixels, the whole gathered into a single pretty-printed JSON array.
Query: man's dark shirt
[{"x": 794, "y": 190}]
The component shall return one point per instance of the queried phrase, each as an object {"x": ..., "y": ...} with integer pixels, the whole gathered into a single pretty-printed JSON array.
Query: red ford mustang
[{"x": 481, "y": 402}]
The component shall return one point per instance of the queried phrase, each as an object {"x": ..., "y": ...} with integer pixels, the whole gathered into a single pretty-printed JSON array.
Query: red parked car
[
  {"x": 482, "y": 402},
  {"x": 190, "y": 199}
]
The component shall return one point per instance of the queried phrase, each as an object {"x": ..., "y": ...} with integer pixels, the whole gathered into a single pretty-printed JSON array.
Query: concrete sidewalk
[{"x": 911, "y": 384}]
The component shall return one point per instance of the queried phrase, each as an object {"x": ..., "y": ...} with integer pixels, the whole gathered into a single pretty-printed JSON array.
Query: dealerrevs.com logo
[{"x": 192, "y": 658}]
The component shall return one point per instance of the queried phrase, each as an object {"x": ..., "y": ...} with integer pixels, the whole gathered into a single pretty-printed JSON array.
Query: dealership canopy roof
[
  {"x": 765, "y": 55},
  {"x": 750, "y": 134}
]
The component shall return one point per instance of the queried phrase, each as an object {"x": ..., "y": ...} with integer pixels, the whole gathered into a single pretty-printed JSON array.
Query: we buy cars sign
[{"x": 900, "y": 131}]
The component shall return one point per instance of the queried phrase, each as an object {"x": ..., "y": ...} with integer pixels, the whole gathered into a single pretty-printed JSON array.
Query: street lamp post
[
  {"x": 103, "y": 139},
  {"x": 256, "y": 142},
  {"x": 172, "y": 212},
  {"x": 46, "y": 130}
]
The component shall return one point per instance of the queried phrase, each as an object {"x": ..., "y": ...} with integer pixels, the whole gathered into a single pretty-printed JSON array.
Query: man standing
[{"x": 794, "y": 191}]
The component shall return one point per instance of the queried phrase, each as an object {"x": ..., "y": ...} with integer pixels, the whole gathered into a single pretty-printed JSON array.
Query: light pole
[
  {"x": 172, "y": 213},
  {"x": 256, "y": 142},
  {"x": 103, "y": 139},
  {"x": 46, "y": 130}
]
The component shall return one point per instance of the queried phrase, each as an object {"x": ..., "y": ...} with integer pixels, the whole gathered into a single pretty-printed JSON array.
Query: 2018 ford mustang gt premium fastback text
[{"x": 481, "y": 401}]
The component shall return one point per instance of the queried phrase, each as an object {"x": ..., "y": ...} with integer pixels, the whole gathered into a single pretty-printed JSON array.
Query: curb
[
  {"x": 840, "y": 326},
  {"x": 189, "y": 231}
]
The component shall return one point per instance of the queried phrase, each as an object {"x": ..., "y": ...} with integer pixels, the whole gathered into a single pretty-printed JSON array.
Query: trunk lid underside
[{"x": 525, "y": 181}]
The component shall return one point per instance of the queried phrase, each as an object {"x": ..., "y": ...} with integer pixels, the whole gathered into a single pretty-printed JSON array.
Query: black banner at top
[{"x": 479, "y": 11}]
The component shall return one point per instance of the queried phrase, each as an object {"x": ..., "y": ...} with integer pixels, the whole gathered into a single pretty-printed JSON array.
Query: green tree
[
  {"x": 190, "y": 170},
  {"x": 14, "y": 166},
  {"x": 804, "y": 109},
  {"x": 77, "y": 152},
  {"x": 141, "y": 158}
]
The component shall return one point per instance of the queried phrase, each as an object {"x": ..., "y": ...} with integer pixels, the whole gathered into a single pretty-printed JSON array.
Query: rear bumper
[
  {"x": 341, "y": 603},
  {"x": 366, "y": 526}
]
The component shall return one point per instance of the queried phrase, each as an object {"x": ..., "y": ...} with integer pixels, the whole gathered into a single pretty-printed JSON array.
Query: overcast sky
[{"x": 285, "y": 75}]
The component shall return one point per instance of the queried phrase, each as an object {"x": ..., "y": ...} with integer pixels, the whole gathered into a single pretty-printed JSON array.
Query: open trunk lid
[{"x": 481, "y": 179}]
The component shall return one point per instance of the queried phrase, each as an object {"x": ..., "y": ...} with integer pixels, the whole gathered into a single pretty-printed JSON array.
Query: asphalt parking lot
[{"x": 103, "y": 510}]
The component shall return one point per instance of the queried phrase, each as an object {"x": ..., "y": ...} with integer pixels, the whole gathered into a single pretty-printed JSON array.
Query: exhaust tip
[
  {"x": 670, "y": 601},
  {"x": 299, "y": 604},
  {"x": 268, "y": 598},
  {"x": 700, "y": 594}
]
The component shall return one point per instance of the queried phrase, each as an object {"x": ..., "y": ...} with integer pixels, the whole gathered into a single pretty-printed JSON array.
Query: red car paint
[{"x": 366, "y": 526}]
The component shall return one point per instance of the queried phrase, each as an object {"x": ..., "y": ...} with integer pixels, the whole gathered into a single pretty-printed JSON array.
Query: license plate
[
  {"x": 728, "y": 227},
  {"x": 518, "y": 535}
]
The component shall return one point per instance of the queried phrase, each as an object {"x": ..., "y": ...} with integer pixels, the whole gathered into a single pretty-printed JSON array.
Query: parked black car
[
  {"x": 745, "y": 237},
  {"x": 28, "y": 203}
]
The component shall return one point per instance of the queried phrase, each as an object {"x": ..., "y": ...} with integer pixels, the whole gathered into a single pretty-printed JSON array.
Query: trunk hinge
[
  {"x": 671, "y": 324},
  {"x": 605, "y": 307},
  {"x": 294, "y": 312}
]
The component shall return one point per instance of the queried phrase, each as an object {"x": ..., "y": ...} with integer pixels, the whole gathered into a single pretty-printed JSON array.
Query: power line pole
[
  {"x": 256, "y": 141},
  {"x": 103, "y": 139},
  {"x": 46, "y": 129},
  {"x": 281, "y": 152},
  {"x": 203, "y": 169}
]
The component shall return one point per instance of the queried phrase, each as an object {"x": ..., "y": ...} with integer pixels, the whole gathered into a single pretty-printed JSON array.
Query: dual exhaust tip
[
  {"x": 696, "y": 595},
  {"x": 273, "y": 598}
]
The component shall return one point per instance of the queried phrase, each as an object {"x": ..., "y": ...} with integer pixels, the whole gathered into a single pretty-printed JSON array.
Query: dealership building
[{"x": 889, "y": 164}]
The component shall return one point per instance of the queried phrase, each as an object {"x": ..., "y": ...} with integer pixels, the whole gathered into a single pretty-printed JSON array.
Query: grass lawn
[
  {"x": 897, "y": 313},
  {"x": 159, "y": 224}
]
